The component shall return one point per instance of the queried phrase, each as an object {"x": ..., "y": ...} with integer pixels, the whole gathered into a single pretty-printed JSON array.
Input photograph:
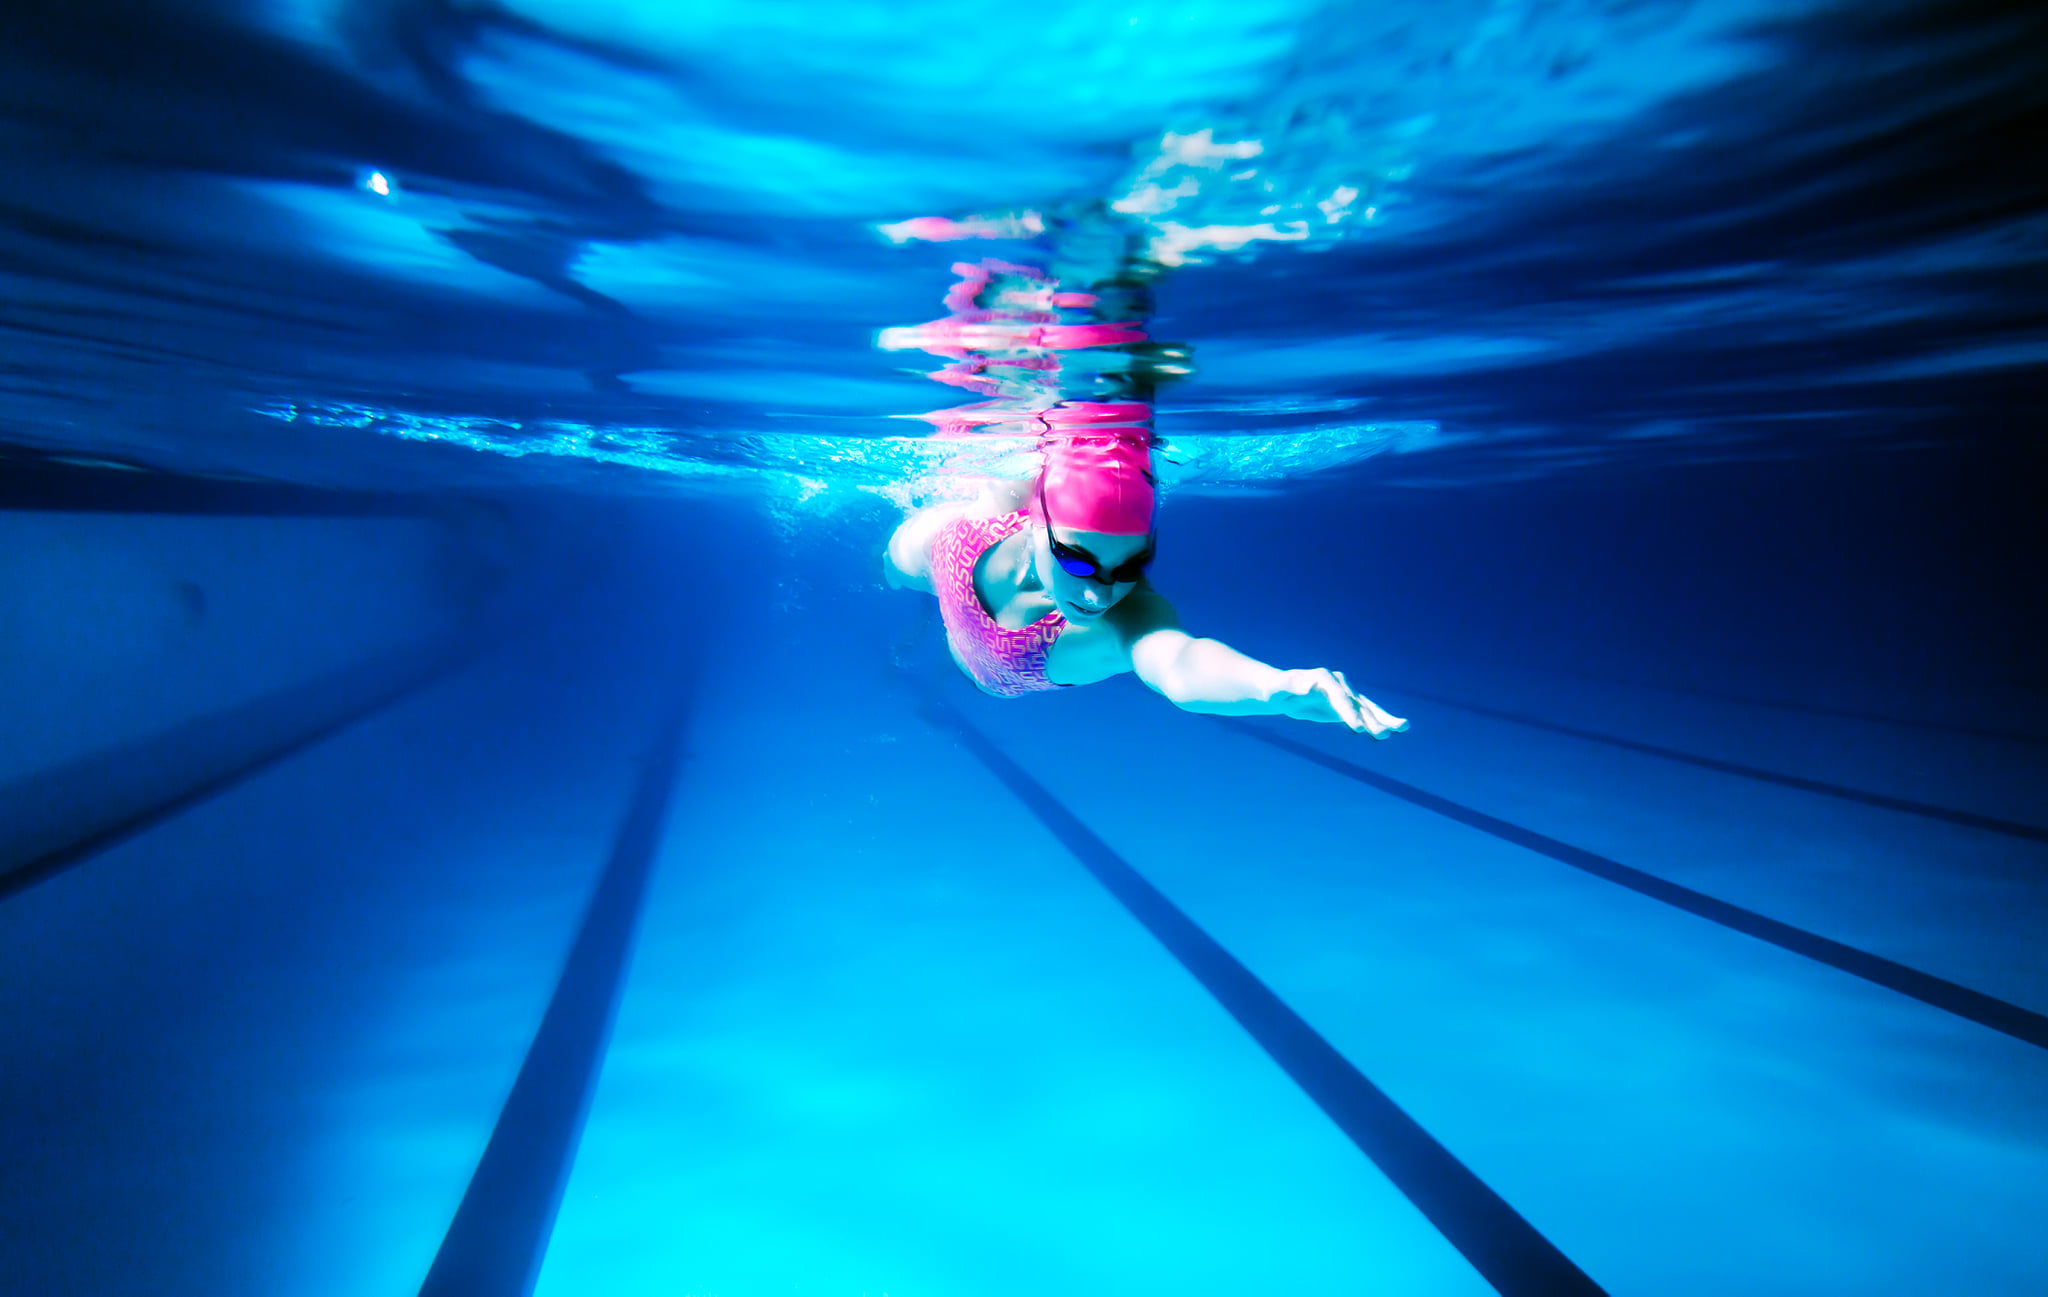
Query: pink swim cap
[{"x": 1099, "y": 481}]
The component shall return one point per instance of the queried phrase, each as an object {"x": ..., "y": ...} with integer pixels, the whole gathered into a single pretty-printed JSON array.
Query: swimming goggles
[{"x": 1079, "y": 562}]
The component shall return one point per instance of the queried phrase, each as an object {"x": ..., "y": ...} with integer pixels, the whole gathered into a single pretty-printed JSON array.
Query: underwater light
[{"x": 377, "y": 183}]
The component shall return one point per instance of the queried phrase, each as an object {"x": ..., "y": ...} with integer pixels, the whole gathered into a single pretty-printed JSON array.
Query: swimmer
[{"x": 1041, "y": 583}]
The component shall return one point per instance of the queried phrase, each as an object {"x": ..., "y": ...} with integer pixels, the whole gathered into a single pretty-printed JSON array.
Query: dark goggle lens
[
  {"x": 1076, "y": 565},
  {"x": 1134, "y": 569}
]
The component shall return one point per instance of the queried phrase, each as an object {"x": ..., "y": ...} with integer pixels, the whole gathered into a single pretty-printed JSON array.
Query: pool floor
[{"x": 880, "y": 1032}]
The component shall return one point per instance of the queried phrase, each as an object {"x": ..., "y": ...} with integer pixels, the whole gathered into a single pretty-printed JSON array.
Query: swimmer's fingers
[
  {"x": 1330, "y": 697},
  {"x": 1372, "y": 718},
  {"x": 1385, "y": 722},
  {"x": 1343, "y": 706},
  {"x": 1347, "y": 704}
]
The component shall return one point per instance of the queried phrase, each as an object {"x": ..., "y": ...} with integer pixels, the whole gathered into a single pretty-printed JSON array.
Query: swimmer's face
[{"x": 1082, "y": 599}]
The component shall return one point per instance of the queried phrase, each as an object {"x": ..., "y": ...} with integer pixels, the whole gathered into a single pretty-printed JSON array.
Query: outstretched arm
[{"x": 1206, "y": 675}]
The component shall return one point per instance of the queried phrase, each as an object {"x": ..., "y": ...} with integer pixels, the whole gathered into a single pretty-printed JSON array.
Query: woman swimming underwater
[{"x": 1041, "y": 583}]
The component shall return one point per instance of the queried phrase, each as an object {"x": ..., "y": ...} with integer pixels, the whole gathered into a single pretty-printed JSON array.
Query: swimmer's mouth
[{"x": 1077, "y": 610}]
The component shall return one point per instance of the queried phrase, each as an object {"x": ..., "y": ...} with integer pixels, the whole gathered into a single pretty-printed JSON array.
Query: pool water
[{"x": 473, "y": 819}]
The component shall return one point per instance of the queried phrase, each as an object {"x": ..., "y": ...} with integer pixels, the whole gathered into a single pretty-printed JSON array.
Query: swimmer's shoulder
[
  {"x": 1141, "y": 612},
  {"x": 907, "y": 562},
  {"x": 1085, "y": 654}
]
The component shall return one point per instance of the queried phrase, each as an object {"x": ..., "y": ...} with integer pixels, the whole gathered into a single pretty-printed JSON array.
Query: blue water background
[{"x": 1683, "y": 386}]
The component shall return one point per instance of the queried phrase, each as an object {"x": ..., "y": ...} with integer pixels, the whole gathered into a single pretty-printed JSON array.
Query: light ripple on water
[{"x": 818, "y": 471}]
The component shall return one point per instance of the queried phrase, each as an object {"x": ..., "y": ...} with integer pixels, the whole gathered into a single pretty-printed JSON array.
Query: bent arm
[{"x": 907, "y": 560}]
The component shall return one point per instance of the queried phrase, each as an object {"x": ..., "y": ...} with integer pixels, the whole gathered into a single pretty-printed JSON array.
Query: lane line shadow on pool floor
[
  {"x": 1985, "y": 1010},
  {"x": 1926, "y": 810},
  {"x": 1498, "y": 1242},
  {"x": 1794, "y": 705},
  {"x": 499, "y": 1235}
]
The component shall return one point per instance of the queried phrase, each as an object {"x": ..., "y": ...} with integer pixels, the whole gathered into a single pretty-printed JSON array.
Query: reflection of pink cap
[{"x": 1099, "y": 481}]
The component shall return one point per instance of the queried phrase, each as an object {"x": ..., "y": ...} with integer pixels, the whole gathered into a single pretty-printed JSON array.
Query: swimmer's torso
[
  {"x": 1010, "y": 591},
  {"x": 1001, "y": 625}
]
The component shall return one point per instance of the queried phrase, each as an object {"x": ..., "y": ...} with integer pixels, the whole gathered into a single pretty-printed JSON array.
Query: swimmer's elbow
[
  {"x": 905, "y": 565},
  {"x": 1205, "y": 676},
  {"x": 1189, "y": 698},
  {"x": 1165, "y": 662}
]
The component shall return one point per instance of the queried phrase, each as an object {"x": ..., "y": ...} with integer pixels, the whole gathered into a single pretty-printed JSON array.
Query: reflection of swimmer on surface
[{"x": 1041, "y": 583}]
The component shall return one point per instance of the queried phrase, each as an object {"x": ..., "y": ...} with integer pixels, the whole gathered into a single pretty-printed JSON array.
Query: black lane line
[
  {"x": 55, "y": 861},
  {"x": 1850, "y": 713},
  {"x": 1985, "y": 1010},
  {"x": 1813, "y": 709},
  {"x": 494, "y": 1245},
  {"x": 2011, "y": 828},
  {"x": 1501, "y": 1246}
]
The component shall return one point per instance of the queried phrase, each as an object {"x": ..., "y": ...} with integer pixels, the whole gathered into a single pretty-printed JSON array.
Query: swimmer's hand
[{"x": 1320, "y": 694}]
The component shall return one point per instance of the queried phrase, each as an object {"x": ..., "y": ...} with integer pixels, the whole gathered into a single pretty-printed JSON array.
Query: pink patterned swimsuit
[{"x": 1003, "y": 662}]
